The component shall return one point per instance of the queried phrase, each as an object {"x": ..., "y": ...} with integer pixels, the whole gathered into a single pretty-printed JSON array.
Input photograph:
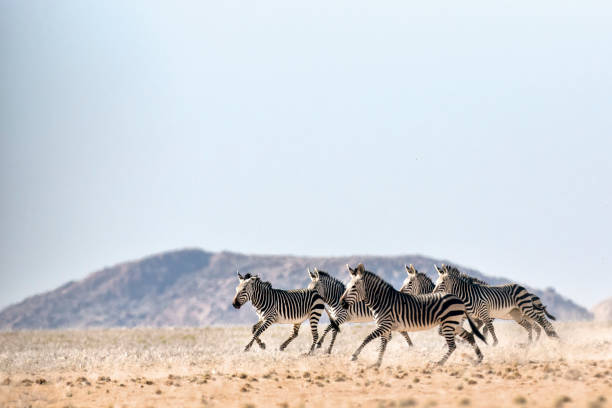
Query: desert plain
[{"x": 206, "y": 367}]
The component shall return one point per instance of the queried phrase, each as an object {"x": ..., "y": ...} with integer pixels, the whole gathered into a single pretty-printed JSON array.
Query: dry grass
[{"x": 206, "y": 367}]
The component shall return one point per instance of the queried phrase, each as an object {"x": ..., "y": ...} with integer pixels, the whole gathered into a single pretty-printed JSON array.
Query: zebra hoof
[
  {"x": 262, "y": 346},
  {"x": 353, "y": 358},
  {"x": 319, "y": 344},
  {"x": 328, "y": 351}
]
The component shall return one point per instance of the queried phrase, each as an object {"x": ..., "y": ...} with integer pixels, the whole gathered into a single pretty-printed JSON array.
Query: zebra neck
[
  {"x": 261, "y": 297},
  {"x": 333, "y": 293},
  {"x": 375, "y": 299}
]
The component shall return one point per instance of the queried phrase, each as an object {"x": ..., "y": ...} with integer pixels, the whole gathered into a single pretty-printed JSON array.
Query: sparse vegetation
[{"x": 207, "y": 367}]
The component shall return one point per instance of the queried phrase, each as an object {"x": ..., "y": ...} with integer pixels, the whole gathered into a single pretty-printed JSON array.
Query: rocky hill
[
  {"x": 602, "y": 312},
  {"x": 192, "y": 287}
]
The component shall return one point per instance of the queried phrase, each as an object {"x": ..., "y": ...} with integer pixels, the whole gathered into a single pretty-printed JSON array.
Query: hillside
[
  {"x": 602, "y": 312},
  {"x": 192, "y": 287}
]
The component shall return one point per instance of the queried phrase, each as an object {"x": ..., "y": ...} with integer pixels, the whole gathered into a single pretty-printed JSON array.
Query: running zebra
[
  {"x": 330, "y": 289},
  {"x": 279, "y": 306},
  {"x": 486, "y": 302},
  {"x": 419, "y": 283},
  {"x": 397, "y": 311}
]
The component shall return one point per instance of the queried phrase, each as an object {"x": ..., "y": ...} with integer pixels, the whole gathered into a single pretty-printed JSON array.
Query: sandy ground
[{"x": 206, "y": 367}]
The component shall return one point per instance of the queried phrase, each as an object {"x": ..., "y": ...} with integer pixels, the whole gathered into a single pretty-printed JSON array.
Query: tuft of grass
[{"x": 562, "y": 400}]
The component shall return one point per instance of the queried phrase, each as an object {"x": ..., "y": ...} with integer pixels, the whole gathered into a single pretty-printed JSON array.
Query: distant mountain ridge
[
  {"x": 192, "y": 287},
  {"x": 602, "y": 312}
]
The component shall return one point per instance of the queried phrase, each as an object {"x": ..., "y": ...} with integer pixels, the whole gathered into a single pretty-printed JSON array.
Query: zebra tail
[
  {"x": 551, "y": 317},
  {"x": 542, "y": 308},
  {"x": 333, "y": 322},
  {"x": 475, "y": 330}
]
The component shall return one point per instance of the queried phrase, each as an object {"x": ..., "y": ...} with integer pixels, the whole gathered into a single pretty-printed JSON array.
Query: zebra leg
[
  {"x": 407, "y": 337},
  {"x": 478, "y": 323},
  {"x": 469, "y": 337},
  {"x": 333, "y": 340},
  {"x": 314, "y": 323},
  {"x": 539, "y": 317},
  {"x": 296, "y": 329},
  {"x": 376, "y": 333},
  {"x": 537, "y": 330},
  {"x": 384, "y": 339},
  {"x": 548, "y": 328},
  {"x": 260, "y": 343},
  {"x": 489, "y": 325},
  {"x": 448, "y": 332},
  {"x": 339, "y": 321},
  {"x": 264, "y": 325},
  {"x": 327, "y": 329},
  {"x": 523, "y": 321}
]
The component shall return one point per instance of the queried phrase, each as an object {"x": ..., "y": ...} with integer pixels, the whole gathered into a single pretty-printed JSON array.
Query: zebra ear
[
  {"x": 440, "y": 272},
  {"x": 240, "y": 276},
  {"x": 410, "y": 269},
  {"x": 360, "y": 269},
  {"x": 315, "y": 273},
  {"x": 351, "y": 270}
]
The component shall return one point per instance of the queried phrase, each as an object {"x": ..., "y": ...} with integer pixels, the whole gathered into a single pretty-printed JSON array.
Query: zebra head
[
  {"x": 244, "y": 290},
  {"x": 355, "y": 290},
  {"x": 316, "y": 282},
  {"x": 444, "y": 279},
  {"x": 416, "y": 283},
  {"x": 411, "y": 284}
]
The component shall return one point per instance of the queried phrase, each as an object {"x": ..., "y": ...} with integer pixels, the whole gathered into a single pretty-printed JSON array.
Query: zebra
[
  {"x": 330, "y": 289},
  {"x": 488, "y": 302},
  {"x": 525, "y": 321},
  {"x": 419, "y": 283},
  {"x": 397, "y": 311},
  {"x": 279, "y": 306}
]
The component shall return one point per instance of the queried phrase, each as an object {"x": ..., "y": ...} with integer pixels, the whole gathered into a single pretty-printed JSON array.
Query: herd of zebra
[{"x": 418, "y": 305}]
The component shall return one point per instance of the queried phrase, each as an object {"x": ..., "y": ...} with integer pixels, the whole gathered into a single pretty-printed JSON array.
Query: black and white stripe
[
  {"x": 331, "y": 289},
  {"x": 279, "y": 306},
  {"x": 486, "y": 302},
  {"x": 397, "y": 311}
]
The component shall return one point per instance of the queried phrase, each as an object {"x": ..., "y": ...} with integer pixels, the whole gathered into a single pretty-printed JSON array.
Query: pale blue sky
[{"x": 478, "y": 132}]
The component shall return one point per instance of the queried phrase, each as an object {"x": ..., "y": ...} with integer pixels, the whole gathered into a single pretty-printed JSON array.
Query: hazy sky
[{"x": 480, "y": 132}]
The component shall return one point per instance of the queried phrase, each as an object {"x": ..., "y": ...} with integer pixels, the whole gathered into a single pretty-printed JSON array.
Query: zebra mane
[
  {"x": 377, "y": 278},
  {"x": 470, "y": 279},
  {"x": 422, "y": 275},
  {"x": 258, "y": 279},
  {"x": 332, "y": 278}
]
